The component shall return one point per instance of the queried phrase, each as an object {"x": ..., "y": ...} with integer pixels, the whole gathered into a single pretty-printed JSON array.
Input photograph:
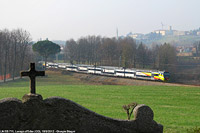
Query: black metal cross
[{"x": 32, "y": 73}]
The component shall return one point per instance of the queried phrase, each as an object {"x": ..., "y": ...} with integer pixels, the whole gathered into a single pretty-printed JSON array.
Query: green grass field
[{"x": 177, "y": 108}]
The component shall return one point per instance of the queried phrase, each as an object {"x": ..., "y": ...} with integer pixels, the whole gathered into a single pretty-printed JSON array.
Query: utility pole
[
  {"x": 56, "y": 58},
  {"x": 117, "y": 34},
  {"x": 120, "y": 60}
]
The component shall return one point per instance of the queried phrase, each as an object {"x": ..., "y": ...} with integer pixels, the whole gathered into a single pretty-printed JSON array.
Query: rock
[
  {"x": 57, "y": 113},
  {"x": 10, "y": 112},
  {"x": 144, "y": 117},
  {"x": 143, "y": 113}
]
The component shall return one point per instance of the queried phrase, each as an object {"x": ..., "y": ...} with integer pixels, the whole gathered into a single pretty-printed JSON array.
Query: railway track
[{"x": 110, "y": 80}]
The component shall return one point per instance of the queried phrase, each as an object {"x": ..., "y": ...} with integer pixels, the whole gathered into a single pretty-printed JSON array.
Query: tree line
[
  {"x": 122, "y": 52},
  {"x": 15, "y": 52}
]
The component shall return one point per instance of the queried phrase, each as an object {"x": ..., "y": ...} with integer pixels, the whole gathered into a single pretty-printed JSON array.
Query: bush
[{"x": 129, "y": 109}]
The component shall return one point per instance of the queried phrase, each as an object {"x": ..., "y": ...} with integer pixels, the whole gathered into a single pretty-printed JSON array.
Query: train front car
[
  {"x": 166, "y": 76},
  {"x": 161, "y": 76}
]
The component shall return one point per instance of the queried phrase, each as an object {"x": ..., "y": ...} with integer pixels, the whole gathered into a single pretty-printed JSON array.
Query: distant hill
[
  {"x": 60, "y": 42},
  {"x": 175, "y": 40}
]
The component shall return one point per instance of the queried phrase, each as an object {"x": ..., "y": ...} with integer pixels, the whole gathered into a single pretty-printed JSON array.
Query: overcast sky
[{"x": 65, "y": 19}]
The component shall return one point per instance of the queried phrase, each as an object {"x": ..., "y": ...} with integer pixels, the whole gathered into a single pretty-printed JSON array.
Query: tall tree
[
  {"x": 167, "y": 56},
  {"x": 155, "y": 56},
  {"x": 6, "y": 52},
  {"x": 13, "y": 50},
  {"x": 197, "y": 46},
  {"x": 46, "y": 48},
  {"x": 127, "y": 53},
  {"x": 70, "y": 50},
  {"x": 24, "y": 39},
  {"x": 128, "y": 46},
  {"x": 109, "y": 51},
  {"x": 142, "y": 54}
]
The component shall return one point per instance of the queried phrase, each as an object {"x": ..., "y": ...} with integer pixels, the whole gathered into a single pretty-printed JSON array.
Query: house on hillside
[
  {"x": 135, "y": 35},
  {"x": 186, "y": 51}
]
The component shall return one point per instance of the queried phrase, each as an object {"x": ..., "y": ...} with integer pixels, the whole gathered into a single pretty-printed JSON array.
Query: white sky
[{"x": 65, "y": 19}]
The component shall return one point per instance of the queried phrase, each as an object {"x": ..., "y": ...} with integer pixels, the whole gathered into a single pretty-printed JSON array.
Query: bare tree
[
  {"x": 24, "y": 39},
  {"x": 71, "y": 50},
  {"x": 142, "y": 54},
  {"x": 6, "y": 42},
  {"x": 167, "y": 56},
  {"x": 13, "y": 50}
]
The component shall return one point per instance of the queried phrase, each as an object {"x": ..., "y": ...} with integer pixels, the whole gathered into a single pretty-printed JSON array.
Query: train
[{"x": 154, "y": 75}]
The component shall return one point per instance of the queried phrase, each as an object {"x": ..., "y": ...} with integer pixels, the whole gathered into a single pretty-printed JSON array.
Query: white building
[
  {"x": 165, "y": 32},
  {"x": 135, "y": 35}
]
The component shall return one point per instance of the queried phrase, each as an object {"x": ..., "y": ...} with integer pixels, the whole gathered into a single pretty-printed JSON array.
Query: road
[{"x": 10, "y": 79}]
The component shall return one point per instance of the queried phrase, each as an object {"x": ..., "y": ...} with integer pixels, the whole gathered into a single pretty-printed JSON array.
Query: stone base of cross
[{"x": 31, "y": 96}]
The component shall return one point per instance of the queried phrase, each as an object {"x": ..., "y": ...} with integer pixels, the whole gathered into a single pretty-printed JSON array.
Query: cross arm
[
  {"x": 40, "y": 73},
  {"x": 26, "y": 73}
]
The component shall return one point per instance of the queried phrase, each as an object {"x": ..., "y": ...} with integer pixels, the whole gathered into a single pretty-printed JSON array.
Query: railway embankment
[{"x": 108, "y": 80}]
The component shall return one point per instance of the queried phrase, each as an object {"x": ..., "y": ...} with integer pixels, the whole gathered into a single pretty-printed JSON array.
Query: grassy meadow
[{"x": 176, "y": 107}]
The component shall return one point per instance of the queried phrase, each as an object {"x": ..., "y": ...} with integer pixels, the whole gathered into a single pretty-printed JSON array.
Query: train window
[{"x": 166, "y": 74}]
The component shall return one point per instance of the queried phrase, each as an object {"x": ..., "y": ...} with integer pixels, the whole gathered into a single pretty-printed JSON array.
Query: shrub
[{"x": 129, "y": 109}]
